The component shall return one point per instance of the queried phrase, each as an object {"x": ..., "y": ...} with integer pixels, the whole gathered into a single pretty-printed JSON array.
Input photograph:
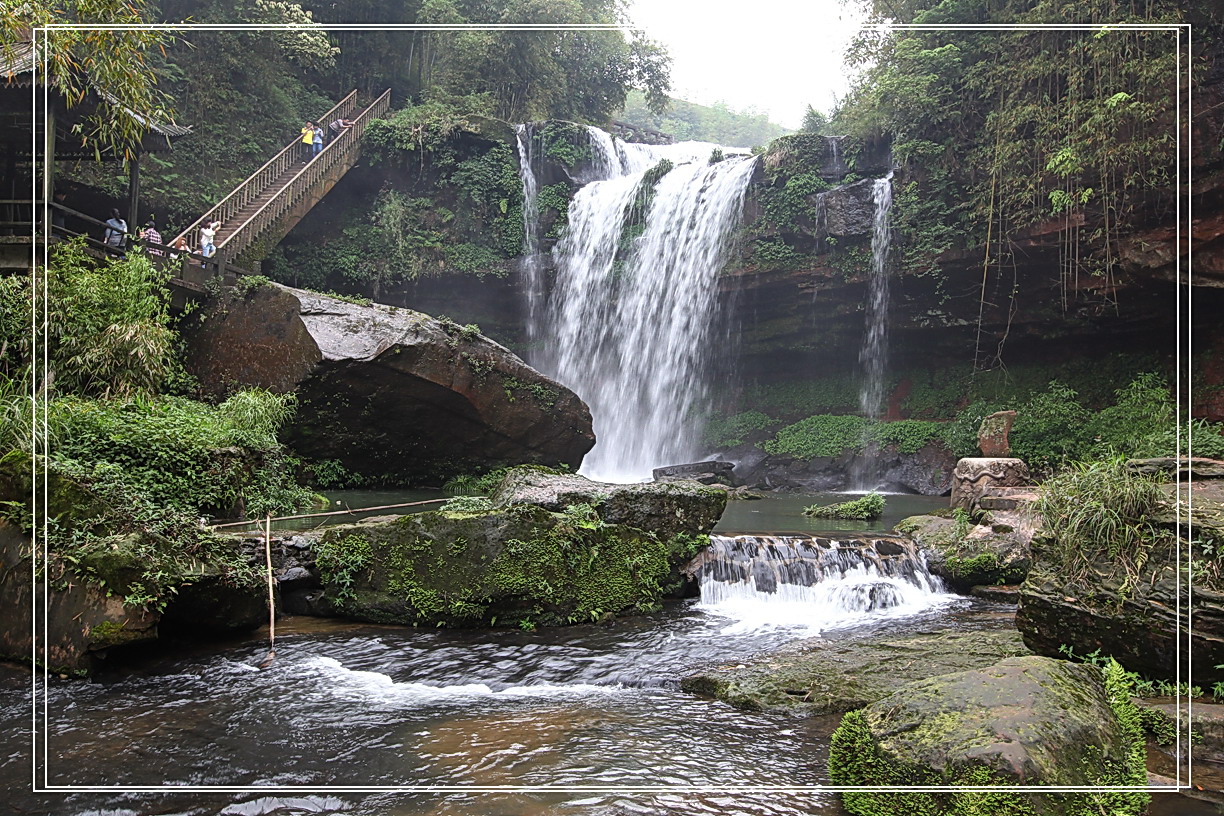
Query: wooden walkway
[{"x": 268, "y": 203}]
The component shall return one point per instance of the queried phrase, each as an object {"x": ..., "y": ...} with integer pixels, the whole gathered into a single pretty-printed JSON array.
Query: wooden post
[
  {"x": 134, "y": 193},
  {"x": 48, "y": 191}
]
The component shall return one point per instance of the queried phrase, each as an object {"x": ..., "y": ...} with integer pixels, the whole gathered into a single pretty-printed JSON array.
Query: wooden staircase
[{"x": 264, "y": 207}]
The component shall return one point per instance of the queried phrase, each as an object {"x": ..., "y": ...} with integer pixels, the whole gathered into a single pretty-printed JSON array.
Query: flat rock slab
[
  {"x": 833, "y": 676},
  {"x": 388, "y": 392},
  {"x": 666, "y": 509},
  {"x": 1206, "y": 719}
]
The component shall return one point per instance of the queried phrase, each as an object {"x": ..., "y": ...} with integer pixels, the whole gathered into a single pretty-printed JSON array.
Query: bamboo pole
[
  {"x": 267, "y": 661},
  {"x": 348, "y": 512}
]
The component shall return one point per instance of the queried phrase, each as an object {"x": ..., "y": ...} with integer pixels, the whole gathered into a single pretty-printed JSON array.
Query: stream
[{"x": 593, "y": 712}]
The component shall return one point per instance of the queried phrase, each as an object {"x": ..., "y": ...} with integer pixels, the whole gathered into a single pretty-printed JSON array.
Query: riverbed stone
[
  {"x": 543, "y": 548},
  {"x": 385, "y": 391},
  {"x": 821, "y": 676},
  {"x": 1022, "y": 721}
]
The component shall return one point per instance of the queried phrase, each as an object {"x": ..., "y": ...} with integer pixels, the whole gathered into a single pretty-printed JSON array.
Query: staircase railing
[
  {"x": 245, "y": 234},
  {"x": 273, "y": 169}
]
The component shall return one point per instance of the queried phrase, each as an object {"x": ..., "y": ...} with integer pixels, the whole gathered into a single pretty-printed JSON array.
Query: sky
[{"x": 775, "y": 56}]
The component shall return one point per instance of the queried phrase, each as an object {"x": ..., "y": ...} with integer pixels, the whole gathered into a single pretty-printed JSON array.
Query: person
[
  {"x": 150, "y": 235},
  {"x": 208, "y": 234},
  {"x": 179, "y": 247},
  {"x": 338, "y": 126},
  {"x": 57, "y": 215},
  {"x": 318, "y": 140},
  {"x": 307, "y": 141},
  {"x": 115, "y": 234}
]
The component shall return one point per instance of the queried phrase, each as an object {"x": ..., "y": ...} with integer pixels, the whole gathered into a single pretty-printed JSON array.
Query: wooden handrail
[
  {"x": 257, "y": 181},
  {"x": 248, "y": 231}
]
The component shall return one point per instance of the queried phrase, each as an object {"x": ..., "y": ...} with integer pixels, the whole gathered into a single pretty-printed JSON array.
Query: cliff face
[{"x": 795, "y": 298}]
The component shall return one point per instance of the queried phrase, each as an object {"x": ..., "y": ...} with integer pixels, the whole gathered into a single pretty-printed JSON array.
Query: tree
[
  {"x": 112, "y": 66},
  {"x": 814, "y": 121}
]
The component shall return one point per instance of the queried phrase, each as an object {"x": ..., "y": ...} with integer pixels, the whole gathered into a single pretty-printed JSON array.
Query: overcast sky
[{"x": 776, "y": 56}]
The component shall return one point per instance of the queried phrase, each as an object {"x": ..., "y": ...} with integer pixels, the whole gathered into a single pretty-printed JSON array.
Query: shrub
[
  {"x": 727, "y": 432},
  {"x": 820, "y": 435},
  {"x": 863, "y": 509}
]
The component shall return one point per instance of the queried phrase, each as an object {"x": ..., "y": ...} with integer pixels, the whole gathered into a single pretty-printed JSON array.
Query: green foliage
[
  {"x": 183, "y": 454},
  {"x": 566, "y": 143},
  {"x": 461, "y": 506},
  {"x": 471, "y": 484},
  {"x": 830, "y": 434},
  {"x": 1050, "y": 428},
  {"x": 1100, "y": 511},
  {"x": 775, "y": 253},
  {"x": 997, "y": 129},
  {"x": 908, "y": 435},
  {"x": 555, "y": 197},
  {"x": 332, "y": 474},
  {"x": 105, "y": 528},
  {"x": 718, "y": 123},
  {"x": 865, "y": 508},
  {"x": 340, "y": 559},
  {"x": 119, "y": 61},
  {"x": 728, "y": 432},
  {"x": 820, "y": 435},
  {"x": 108, "y": 331}
]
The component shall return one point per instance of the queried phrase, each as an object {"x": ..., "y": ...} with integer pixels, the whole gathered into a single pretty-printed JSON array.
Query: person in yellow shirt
[{"x": 308, "y": 131}]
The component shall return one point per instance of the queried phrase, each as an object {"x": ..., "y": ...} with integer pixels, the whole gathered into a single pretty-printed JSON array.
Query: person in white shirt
[{"x": 208, "y": 234}]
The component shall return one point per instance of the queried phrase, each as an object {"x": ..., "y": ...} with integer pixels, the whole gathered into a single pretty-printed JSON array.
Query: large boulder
[
  {"x": 1138, "y": 617},
  {"x": 544, "y": 549},
  {"x": 1028, "y": 721},
  {"x": 388, "y": 392},
  {"x": 823, "y": 676}
]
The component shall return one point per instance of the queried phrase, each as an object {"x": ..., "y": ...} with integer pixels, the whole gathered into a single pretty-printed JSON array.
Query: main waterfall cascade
[
  {"x": 813, "y": 581},
  {"x": 631, "y": 319},
  {"x": 874, "y": 354}
]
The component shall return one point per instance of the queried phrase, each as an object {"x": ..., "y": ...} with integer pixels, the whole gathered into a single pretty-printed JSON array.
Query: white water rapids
[{"x": 631, "y": 322}]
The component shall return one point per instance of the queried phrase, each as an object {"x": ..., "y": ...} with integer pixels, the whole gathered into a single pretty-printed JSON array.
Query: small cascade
[
  {"x": 837, "y": 165},
  {"x": 531, "y": 267},
  {"x": 874, "y": 353},
  {"x": 813, "y": 581},
  {"x": 633, "y": 307}
]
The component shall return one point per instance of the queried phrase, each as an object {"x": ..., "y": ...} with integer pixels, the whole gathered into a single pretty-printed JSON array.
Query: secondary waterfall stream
[
  {"x": 874, "y": 353},
  {"x": 631, "y": 317}
]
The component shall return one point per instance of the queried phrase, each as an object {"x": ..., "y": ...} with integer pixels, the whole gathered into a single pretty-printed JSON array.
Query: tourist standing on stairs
[
  {"x": 115, "y": 234},
  {"x": 318, "y": 140},
  {"x": 150, "y": 235},
  {"x": 208, "y": 234},
  {"x": 307, "y": 141}
]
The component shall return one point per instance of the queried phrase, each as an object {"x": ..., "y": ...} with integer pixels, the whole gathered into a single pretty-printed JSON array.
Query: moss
[
  {"x": 855, "y": 758},
  {"x": 112, "y": 633},
  {"x": 504, "y": 566}
]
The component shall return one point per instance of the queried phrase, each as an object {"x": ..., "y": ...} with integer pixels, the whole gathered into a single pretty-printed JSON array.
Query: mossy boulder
[
  {"x": 966, "y": 555},
  {"x": 824, "y": 676},
  {"x": 544, "y": 549},
  {"x": 1023, "y": 721}
]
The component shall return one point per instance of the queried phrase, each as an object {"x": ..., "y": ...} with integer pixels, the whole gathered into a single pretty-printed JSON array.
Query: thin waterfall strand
[
  {"x": 874, "y": 354},
  {"x": 530, "y": 264}
]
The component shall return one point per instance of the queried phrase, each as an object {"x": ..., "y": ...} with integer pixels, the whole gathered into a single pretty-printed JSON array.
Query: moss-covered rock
[
  {"x": 544, "y": 548},
  {"x": 1023, "y": 721},
  {"x": 966, "y": 555},
  {"x": 835, "y": 676}
]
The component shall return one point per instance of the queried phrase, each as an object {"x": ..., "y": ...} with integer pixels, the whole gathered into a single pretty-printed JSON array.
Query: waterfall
[
  {"x": 629, "y": 321},
  {"x": 530, "y": 266},
  {"x": 874, "y": 353},
  {"x": 813, "y": 581}
]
